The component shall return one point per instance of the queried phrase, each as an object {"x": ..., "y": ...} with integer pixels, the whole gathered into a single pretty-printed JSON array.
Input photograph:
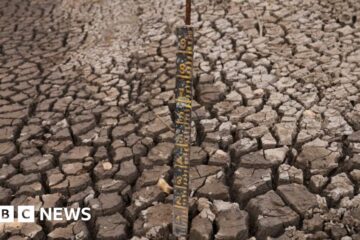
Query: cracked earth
[{"x": 87, "y": 109}]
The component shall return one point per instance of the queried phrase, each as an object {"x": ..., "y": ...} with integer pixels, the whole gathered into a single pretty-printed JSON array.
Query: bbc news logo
[{"x": 26, "y": 214}]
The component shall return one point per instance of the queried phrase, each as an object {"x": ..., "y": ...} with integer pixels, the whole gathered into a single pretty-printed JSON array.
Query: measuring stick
[{"x": 183, "y": 94}]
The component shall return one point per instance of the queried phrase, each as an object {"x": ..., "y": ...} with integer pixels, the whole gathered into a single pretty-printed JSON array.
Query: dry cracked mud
[{"x": 87, "y": 109}]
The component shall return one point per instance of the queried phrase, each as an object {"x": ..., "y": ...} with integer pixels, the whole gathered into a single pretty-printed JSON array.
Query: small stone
[
  {"x": 107, "y": 166},
  {"x": 101, "y": 173}
]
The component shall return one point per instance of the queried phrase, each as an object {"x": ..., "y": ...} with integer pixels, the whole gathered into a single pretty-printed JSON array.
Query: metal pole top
[{"x": 188, "y": 12}]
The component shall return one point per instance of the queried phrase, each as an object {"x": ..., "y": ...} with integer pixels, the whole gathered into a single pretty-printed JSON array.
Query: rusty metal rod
[{"x": 188, "y": 12}]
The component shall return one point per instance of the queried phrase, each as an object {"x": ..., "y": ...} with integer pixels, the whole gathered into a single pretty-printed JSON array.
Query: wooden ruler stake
[{"x": 183, "y": 94}]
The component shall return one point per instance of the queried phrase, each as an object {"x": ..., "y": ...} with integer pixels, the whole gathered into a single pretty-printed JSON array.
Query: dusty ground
[{"x": 86, "y": 109}]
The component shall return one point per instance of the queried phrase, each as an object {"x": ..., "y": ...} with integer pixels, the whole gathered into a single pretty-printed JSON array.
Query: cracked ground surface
[{"x": 87, "y": 109}]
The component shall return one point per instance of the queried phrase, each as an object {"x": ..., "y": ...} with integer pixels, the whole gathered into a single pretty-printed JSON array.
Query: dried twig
[
  {"x": 162, "y": 120},
  {"x": 259, "y": 21}
]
